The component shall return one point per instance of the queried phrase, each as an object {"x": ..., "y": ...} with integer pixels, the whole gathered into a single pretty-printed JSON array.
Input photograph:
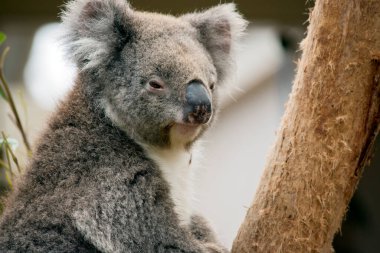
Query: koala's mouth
[
  {"x": 183, "y": 132},
  {"x": 185, "y": 129}
]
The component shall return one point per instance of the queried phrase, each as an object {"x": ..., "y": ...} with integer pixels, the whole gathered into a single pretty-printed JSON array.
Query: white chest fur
[{"x": 176, "y": 169}]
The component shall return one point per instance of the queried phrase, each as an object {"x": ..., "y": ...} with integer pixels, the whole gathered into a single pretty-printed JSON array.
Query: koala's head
[{"x": 155, "y": 76}]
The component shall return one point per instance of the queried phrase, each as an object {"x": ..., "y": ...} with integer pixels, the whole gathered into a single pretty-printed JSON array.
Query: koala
[{"x": 112, "y": 171}]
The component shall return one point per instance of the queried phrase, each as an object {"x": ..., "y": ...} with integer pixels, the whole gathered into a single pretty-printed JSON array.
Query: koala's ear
[
  {"x": 219, "y": 28},
  {"x": 96, "y": 29}
]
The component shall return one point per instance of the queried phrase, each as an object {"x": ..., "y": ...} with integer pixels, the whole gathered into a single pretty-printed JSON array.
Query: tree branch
[{"x": 326, "y": 135}]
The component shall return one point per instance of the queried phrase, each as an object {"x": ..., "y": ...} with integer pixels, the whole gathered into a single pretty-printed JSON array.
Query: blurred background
[{"x": 234, "y": 152}]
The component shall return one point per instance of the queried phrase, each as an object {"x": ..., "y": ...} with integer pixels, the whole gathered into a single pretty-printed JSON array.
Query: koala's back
[{"x": 83, "y": 163}]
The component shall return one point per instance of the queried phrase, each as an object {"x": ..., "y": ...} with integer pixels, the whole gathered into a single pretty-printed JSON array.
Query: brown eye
[
  {"x": 155, "y": 85},
  {"x": 212, "y": 86}
]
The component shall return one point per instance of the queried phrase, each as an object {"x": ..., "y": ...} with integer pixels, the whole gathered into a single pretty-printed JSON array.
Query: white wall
[
  {"x": 235, "y": 150},
  {"x": 233, "y": 159}
]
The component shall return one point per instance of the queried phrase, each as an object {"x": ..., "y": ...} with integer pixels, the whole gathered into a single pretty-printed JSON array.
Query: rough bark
[{"x": 325, "y": 138}]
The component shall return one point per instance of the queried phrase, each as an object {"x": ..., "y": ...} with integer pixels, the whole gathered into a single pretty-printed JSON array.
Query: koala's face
[
  {"x": 156, "y": 75},
  {"x": 165, "y": 92}
]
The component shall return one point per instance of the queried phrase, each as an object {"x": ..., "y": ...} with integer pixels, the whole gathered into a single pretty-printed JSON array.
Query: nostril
[
  {"x": 197, "y": 114},
  {"x": 198, "y": 104}
]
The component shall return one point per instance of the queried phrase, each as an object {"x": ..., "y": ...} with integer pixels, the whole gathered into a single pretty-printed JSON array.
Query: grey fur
[{"x": 91, "y": 186}]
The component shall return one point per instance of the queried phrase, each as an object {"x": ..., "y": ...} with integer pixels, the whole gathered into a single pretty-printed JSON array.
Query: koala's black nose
[{"x": 198, "y": 104}]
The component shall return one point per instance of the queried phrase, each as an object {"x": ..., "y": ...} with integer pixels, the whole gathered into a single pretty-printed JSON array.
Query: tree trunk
[{"x": 326, "y": 134}]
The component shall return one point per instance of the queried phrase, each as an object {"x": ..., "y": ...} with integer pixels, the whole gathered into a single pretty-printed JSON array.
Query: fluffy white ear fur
[
  {"x": 220, "y": 29},
  {"x": 94, "y": 29}
]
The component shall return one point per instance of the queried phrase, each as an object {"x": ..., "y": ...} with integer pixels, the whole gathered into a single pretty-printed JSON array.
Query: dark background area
[
  {"x": 361, "y": 229},
  {"x": 290, "y": 12},
  {"x": 20, "y": 20}
]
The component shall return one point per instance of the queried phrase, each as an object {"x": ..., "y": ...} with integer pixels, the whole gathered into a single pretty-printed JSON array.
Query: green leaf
[
  {"x": 3, "y": 37},
  {"x": 13, "y": 143}
]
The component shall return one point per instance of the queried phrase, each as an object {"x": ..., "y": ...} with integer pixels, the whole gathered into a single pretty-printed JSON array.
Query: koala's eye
[
  {"x": 212, "y": 86},
  {"x": 155, "y": 85}
]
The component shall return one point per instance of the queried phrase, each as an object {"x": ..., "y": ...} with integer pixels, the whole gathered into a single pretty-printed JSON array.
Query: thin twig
[
  {"x": 9, "y": 149},
  {"x": 3, "y": 164},
  {"x": 9, "y": 181},
  {"x": 9, "y": 161},
  {"x": 10, "y": 100}
]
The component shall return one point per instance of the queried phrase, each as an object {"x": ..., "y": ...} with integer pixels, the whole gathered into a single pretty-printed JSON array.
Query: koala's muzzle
[{"x": 198, "y": 104}]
